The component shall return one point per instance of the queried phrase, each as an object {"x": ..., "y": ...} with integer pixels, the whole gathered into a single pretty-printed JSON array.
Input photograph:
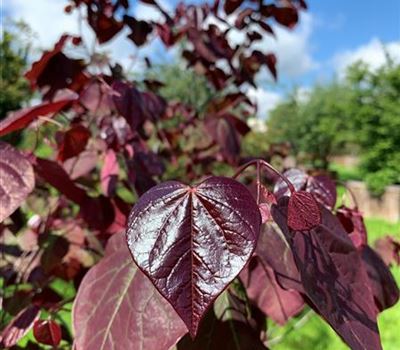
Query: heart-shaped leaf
[
  {"x": 47, "y": 332},
  {"x": 193, "y": 241},
  {"x": 16, "y": 179},
  {"x": 263, "y": 289},
  {"x": 334, "y": 278},
  {"x": 384, "y": 288},
  {"x": 117, "y": 307},
  {"x": 303, "y": 211},
  {"x": 19, "y": 326}
]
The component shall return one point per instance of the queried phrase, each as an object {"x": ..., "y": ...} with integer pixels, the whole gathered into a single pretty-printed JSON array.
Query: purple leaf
[
  {"x": 109, "y": 173},
  {"x": 334, "y": 279},
  {"x": 297, "y": 177},
  {"x": 129, "y": 103},
  {"x": 17, "y": 179},
  {"x": 353, "y": 223},
  {"x": 388, "y": 248},
  {"x": 140, "y": 30},
  {"x": 21, "y": 118},
  {"x": 323, "y": 189},
  {"x": 193, "y": 241},
  {"x": 303, "y": 211},
  {"x": 19, "y": 326},
  {"x": 384, "y": 288},
  {"x": 263, "y": 289},
  {"x": 321, "y": 186},
  {"x": 47, "y": 332},
  {"x": 274, "y": 250},
  {"x": 216, "y": 334},
  {"x": 117, "y": 306},
  {"x": 72, "y": 142}
]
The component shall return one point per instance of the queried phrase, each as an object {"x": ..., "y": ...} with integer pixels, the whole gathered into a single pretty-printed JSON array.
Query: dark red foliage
[
  {"x": 19, "y": 326},
  {"x": 20, "y": 119},
  {"x": 140, "y": 30},
  {"x": 322, "y": 187},
  {"x": 215, "y": 259},
  {"x": 188, "y": 238},
  {"x": 17, "y": 179},
  {"x": 334, "y": 278},
  {"x": 72, "y": 142},
  {"x": 263, "y": 289},
  {"x": 303, "y": 211},
  {"x": 103, "y": 315},
  {"x": 384, "y": 288},
  {"x": 353, "y": 223},
  {"x": 389, "y": 250},
  {"x": 47, "y": 332}
]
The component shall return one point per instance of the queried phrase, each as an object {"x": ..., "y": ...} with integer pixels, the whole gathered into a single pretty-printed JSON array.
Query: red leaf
[
  {"x": 38, "y": 67},
  {"x": 321, "y": 186},
  {"x": 263, "y": 289},
  {"x": 109, "y": 173},
  {"x": 17, "y": 179},
  {"x": 20, "y": 119},
  {"x": 231, "y": 5},
  {"x": 73, "y": 142},
  {"x": 297, "y": 177},
  {"x": 323, "y": 189},
  {"x": 47, "y": 332},
  {"x": 81, "y": 165},
  {"x": 353, "y": 223},
  {"x": 105, "y": 27},
  {"x": 193, "y": 241},
  {"x": 215, "y": 334},
  {"x": 287, "y": 16},
  {"x": 388, "y": 248},
  {"x": 384, "y": 288},
  {"x": 273, "y": 250},
  {"x": 303, "y": 211},
  {"x": 140, "y": 30},
  {"x": 57, "y": 177},
  {"x": 117, "y": 306},
  {"x": 19, "y": 326},
  {"x": 129, "y": 103},
  {"x": 333, "y": 278}
]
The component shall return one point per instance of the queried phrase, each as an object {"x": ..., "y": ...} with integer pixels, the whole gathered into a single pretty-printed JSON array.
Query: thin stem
[
  {"x": 353, "y": 197},
  {"x": 269, "y": 167},
  {"x": 301, "y": 322}
]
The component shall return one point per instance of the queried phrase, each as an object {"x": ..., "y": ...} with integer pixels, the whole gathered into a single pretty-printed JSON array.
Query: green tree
[
  {"x": 183, "y": 85},
  {"x": 316, "y": 126},
  {"x": 375, "y": 105},
  {"x": 13, "y": 57}
]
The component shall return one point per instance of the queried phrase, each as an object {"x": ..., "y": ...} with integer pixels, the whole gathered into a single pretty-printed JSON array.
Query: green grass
[
  {"x": 315, "y": 334},
  {"x": 346, "y": 173}
]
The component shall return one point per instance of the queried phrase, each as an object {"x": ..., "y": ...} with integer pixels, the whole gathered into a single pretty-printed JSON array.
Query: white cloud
[
  {"x": 292, "y": 47},
  {"x": 45, "y": 17},
  {"x": 266, "y": 100},
  {"x": 48, "y": 21},
  {"x": 372, "y": 53}
]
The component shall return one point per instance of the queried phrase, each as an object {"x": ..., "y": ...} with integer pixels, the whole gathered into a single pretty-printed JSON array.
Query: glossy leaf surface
[
  {"x": 303, "y": 211},
  {"x": 19, "y": 326},
  {"x": 17, "y": 179},
  {"x": 193, "y": 241},
  {"x": 47, "y": 332},
  {"x": 263, "y": 289},
  {"x": 20, "y": 119},
  {"x": 117, "y": 306},
  {"x": 334, "y": 278},
  {"x": 383, "y": 284}
]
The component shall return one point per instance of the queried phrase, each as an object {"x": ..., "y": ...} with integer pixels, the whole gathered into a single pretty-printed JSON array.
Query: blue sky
[{"x": 331, "y": 35}]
